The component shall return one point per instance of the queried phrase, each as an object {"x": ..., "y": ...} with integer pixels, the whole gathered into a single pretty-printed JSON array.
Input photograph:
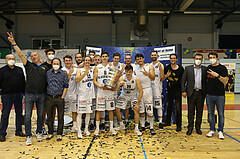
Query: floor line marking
[
  {"x": 232, "y": 119},
  {"x": 142, "y": 147},
  {"x": 231, "y": 137},
  {"x": 89, "y": 147}
]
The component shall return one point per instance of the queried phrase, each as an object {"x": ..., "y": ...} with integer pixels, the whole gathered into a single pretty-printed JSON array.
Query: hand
[
  {"x": 122, "y": 83},
  {"x": 168, "y": 73},
  {"x": 184, "y": 94},
  {"x": 62, "y": 98},
  {"x": 10, "y": 38},
  {"x": 215, "y": 74},
  {"x": 136, "y": 107},
  {"x": 145, "y": 72},
  {"x": 71, "y": 70},
  {"x": 81, "y": 65}
]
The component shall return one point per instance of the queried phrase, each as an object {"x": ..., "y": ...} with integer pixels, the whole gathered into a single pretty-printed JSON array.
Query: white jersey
[
  {"x": 157, "y": 82},
  {"x": 145, "y": 80},
  {"x": 86, "y": 86},
  {"x": 72, "y": 89},
  {"x": 130, "y": 86},
  {"x": 119, "y": 66},
  {"x": 76, "y": 65},
  {"x": 102, "y": 74}
]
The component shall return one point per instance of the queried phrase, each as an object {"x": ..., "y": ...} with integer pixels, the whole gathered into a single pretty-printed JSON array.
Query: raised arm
[
  {"x": 151, "y": 72},
  {"x": 18, "y": 50}
]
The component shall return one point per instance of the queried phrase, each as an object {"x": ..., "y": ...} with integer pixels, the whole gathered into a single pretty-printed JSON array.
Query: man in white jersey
[
  {"x": 84, "y": 78},
  {"x": 131, "y": 95},
  {"x": 71, "y": 96},
  {"x": 146, "y": 74},
  {"x": 157, "y": 86},
  {"x": 105, "y": 98}
]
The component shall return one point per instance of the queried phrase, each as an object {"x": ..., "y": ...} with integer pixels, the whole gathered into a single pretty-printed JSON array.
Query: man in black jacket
[
  {"x": 12, "y": 83},
  {"x": 194, "y": 88}
]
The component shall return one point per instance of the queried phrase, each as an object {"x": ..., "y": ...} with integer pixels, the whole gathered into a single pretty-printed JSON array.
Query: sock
[
  {"x": 111, "y": 125},
  {"x": 136, "y": 126},
  {"x": 92, "y": 121},
  {"x": 75, "y": 123},
  {"x": 160, "y": 119},
  {"x": 103, "y": 121},
  {"x": 87, "y": 118},
  {"x": 147, "y": 119},
  {"x": 79, "y": 122},
  {"x": 142, "y": 119},
  {"x": 97, "y": 125},
  {"x": 115, "y": 120},
  {"x": 126, "y": 120},
  {"x": 151, "y": 122},
  {"x": 121, "y": 123}
]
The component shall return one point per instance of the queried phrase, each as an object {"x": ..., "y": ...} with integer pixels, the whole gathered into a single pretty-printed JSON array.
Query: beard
[
  {"x": 154, "y": 59},
  {"x": 78, "y": 62}
]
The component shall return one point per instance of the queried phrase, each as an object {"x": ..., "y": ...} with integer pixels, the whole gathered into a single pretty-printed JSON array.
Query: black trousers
[
  {"x": 51, "y": 103},
  {"x": 196, "y": 101},
  {"x": 177, "y": 96}
]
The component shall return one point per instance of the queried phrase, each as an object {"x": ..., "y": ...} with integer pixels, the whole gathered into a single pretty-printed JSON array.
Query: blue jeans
[
  {"x": 39, "y": 100},
  {"x": 219, "y": 101},
  {"x": 7, "y": 102}
]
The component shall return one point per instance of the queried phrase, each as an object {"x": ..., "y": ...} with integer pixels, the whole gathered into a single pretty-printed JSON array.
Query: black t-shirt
[
  {"x": 12, "y": 80},
  {"x": 174, "y": 80},
  {"x": 214, "y": 85},
  {"x": 47, "y": 65},
  {"x": 36, "y": 78}
]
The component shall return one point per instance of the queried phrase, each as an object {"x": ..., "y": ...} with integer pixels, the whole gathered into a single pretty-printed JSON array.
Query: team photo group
[{"x": 94, "y": 88}]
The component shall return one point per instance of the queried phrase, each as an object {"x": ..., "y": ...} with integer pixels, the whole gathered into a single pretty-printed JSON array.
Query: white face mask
[
  {"x": 56, "y": 67},
  {"x": 213, "y": 61},
  {"x": 198, "y": 62},
  {"x": 11, "y": 62},
  {"x": 51, "y": 57}
]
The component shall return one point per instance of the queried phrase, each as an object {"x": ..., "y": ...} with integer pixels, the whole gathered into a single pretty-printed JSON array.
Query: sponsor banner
[
  {"x": 165, "y": 52},
  {"x": 98, "y": 51}
]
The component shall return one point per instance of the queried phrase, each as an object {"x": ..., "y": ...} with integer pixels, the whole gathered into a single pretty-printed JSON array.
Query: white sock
[
  {"x": 126, "y": 120},
  {"x": 111, "y": 125},
  {"x": 87, "y": 118},
  {"x": 136, "y": 126},
  {"x": 97, "y": 125},
  {"x": 115, "y": 119},
  {"x": 142, "y": 119},
  {"x": 103, "y": 121},
  {"x": 75, "y": 123},
  {"x": 79, "y": 122},
  {"x": 121, "y": 123},
  {"x": 92, "y": 121},
  {"x": 160, "y": 119},
  {"x": 151, "y": 122}
]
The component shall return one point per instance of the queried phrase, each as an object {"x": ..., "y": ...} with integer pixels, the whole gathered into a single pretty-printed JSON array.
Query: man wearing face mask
[
  {"x": 194, "y": 88},
  {"x": 57, "y": 85},
  {"x": 35, "y": 90},
  {"x": 12, "y": 83},
  {"x": 217, "y": 77}
]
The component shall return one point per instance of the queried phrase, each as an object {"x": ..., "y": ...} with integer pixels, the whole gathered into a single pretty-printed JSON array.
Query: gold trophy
[{"x": 112, "y": 75}]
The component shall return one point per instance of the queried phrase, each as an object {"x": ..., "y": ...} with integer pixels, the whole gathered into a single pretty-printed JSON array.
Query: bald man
[
  {"x": 34, "y": 91},
  {"x": 12, "y": 83}
]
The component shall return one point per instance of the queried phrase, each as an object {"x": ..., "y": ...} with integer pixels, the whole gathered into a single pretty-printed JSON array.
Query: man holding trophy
[{"x": 104, "y": 79}]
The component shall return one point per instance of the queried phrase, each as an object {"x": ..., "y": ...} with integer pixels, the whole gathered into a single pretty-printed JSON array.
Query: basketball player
[{"x": 146, "y": 74}]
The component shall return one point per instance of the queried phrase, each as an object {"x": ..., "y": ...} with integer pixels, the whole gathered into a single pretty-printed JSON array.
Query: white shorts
[
  {"x": 157, "y": 97},
  {"x": 126, "y": 102},
  {"x": 70, "y": 103},
  {"x": 105, "y": 100},
  {"x": 147, "y": 102},
  {"x": 84, "y": 106}
]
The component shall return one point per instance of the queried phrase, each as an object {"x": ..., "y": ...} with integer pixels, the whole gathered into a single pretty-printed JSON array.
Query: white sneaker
[
  {"x": 136, "y": 131},
  {"x": 79, "y": 134},
  {"x": 86, "y": 132},
  {"x": 29, "y": 141},
  {"x": 113, "y": 131},
  {"x": 96, "y": 132},
  {"x": 121, "y": 127},
  {"x": 220, "y": 135},
  {"x": 211, "y": 133},
  {"x": 74, "y": 129},
  {"x": 39, "y": 137}
]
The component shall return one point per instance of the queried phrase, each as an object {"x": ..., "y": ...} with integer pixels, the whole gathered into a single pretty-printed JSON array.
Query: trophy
[{"x": 112, "y": 75}]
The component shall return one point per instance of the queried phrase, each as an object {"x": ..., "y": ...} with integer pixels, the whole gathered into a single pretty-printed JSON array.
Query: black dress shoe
[
  {"x": 189, "y": 132},
  {"x": 198, "y": 131},
  {"x": 178, "y": 129},
  {"x": 152, "y": 132},
  {"x": 167, "y": 124},
  {"x": 2, "y": 138},
  {"x": 142, "y": 129},
  {"x": 21, "y": 134}
]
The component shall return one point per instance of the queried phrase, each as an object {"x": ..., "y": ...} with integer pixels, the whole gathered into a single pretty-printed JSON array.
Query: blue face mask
[{"x": 38, "y": 64}]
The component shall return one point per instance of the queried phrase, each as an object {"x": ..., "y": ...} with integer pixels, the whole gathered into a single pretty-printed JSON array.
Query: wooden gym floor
[{"x": 167, "y": 144}]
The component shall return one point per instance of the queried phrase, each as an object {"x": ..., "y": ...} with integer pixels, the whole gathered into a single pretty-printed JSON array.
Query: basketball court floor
[{"x": 167, "y": 144}]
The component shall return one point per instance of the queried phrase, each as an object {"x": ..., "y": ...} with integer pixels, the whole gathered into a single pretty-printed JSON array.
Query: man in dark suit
[{"x": 194, "y": 88}]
